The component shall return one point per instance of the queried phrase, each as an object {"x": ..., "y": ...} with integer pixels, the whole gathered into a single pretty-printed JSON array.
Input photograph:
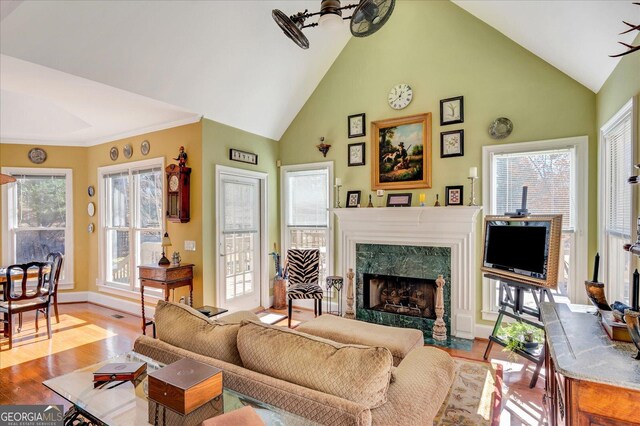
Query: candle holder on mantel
[{"x": 473, "y": 180}]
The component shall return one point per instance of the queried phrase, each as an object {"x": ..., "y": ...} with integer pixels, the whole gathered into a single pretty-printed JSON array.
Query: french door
[{"x": 240, "y": 202}]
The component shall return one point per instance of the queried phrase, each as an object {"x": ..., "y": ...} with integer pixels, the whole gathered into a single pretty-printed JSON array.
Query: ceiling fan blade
[
  {"x": 290, "y": 28},
  {"x": 370, "y": 16}
]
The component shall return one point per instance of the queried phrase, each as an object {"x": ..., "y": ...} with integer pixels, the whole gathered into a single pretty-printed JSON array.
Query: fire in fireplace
[{"x": 400, "y": 295}]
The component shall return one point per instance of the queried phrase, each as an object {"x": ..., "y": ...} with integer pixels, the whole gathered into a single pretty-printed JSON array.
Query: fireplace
[
  {"x": 420, "y": 242},
  {"x": 414, "y": 297}
]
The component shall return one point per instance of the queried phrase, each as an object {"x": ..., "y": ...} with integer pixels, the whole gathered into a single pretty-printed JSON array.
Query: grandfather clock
[{"x": 178, "y": 193}]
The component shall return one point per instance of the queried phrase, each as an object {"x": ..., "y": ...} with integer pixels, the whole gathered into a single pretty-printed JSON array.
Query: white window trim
[
  {"x": 284, "y": 235},
  {"x": 581, "y": 146},
  {"x": 100, "y": 280},
  {"x": 264, "y": 220},
  {"x": 7, "y": 241},
  {"x": 613, "y": 290}
]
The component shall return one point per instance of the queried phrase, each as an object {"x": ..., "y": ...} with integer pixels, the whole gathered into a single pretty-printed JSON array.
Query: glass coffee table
[{"x": 126, "y": 403}]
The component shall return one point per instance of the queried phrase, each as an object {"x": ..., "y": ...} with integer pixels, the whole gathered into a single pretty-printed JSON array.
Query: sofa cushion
[
  {"x": 357, "y": 373},
  {"x": 400, "y": 341},
  {"x": 182, "y": 326}
]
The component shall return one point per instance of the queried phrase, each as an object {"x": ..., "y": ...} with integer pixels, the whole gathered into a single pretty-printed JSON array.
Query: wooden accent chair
[
  {"x": 19, "y": 297},
  {"x": 302, "y": 270}
]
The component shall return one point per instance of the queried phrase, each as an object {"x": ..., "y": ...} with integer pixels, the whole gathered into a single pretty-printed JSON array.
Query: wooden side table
[{"x": 166, "y": 278}]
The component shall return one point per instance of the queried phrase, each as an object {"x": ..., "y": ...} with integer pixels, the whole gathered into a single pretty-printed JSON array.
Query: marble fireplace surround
[{"x": 453, "y": 227}]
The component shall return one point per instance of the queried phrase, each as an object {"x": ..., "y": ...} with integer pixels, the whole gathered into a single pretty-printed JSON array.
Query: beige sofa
[{"x": 327, "y": 382}]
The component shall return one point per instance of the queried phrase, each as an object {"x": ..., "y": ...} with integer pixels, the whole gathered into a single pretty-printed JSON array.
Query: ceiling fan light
[{"x": 330, "y": 20}]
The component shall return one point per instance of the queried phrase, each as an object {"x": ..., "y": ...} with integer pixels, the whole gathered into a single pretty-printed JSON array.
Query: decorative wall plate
[
  {"x": 91, "y": 209},
  {"x": 91, "y": 191},
  {"x": 37, "y": 155},
  {"x": 113, "y": 153},
  {"x": 145, "y": 147},
  {"x": 500, "y": 128},
  {"x": 90, "y": 228},
  {"x": 127, "y": 150}
]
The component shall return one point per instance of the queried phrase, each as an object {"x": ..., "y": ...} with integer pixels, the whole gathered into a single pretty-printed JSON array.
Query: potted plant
[{"x": 522, "y": 336}]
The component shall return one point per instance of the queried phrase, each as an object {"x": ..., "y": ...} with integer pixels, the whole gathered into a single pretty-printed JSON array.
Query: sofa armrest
[{"x": 422, "y": 381}]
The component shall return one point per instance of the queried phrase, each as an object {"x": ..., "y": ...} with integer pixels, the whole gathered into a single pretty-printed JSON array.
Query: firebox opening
[{"x": 400, "y": 295}]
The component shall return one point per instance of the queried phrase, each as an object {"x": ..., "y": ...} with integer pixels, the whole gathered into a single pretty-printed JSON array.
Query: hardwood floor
[{"x": 89, "y": 333}]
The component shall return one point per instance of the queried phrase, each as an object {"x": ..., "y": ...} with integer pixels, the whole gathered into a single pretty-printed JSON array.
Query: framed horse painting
[{"x": 401, "y": 154}]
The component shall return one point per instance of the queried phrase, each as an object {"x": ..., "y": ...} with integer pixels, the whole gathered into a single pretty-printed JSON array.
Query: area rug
[
  {"x": 475, "y": 396},
  {"x": 271, "y": 318}
]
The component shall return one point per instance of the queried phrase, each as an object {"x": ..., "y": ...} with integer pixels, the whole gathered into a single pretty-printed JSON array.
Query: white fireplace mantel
[{"x": 453, "y": 227}]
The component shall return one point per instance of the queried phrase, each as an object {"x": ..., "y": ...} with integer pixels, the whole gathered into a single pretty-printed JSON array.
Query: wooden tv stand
[{"x": 590, "y": 379}]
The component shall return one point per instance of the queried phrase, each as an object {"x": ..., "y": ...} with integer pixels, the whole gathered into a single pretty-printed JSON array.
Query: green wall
[
  {"x": 217, "y": 139},
  {"x": 622, "y": 84},
  {"x": 442, "y": 51}
]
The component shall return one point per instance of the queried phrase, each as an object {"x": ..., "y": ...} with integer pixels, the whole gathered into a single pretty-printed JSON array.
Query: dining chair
[
  {"x": 56, "y": 258},
  {"x": 302, "y": 271},
  {"x": 20, "y": 297}
]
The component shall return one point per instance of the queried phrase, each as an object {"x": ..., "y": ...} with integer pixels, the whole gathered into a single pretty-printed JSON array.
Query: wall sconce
[{"x": 323, "y": 147}]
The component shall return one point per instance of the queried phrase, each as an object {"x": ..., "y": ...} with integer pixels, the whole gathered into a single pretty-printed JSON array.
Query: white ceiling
[
  {"x": 226, "y": 60},
  {"x": 45, "y": 106},
  {"x": 574, "y": 36}
]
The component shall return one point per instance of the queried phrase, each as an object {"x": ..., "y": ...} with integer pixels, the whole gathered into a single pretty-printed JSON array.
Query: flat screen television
[{"x": 523, "y": 249}]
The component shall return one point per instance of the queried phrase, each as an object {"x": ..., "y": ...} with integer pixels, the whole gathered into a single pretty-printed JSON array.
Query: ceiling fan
[{"x": 367, "y": 18}]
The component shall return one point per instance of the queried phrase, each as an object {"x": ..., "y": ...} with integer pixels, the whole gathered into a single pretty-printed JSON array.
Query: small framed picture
[
  {"x": 243, "y": 156},
  {"x": 399, "y": 200},
  {"x": 452, "y": 144},
  {"x": 356, "y": 125},
  {"x": 356, "y": 154},
  {"x": 353, "y": 198},
  {"x": 452, "y": 111},
  {"x": 453, "y": 195}
]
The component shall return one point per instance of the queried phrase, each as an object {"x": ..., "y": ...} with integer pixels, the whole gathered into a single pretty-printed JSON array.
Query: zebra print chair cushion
[{"x": 302, "y": 272}]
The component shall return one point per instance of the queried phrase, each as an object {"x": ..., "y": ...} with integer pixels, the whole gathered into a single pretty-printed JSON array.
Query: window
[
  {"x": 552, "y": 171},
  {"x": 131, "y": 221},
  {"x": 615, "y": 200},
  {"x": 306, "y": 198},
  {"x": 37, "y": 218}
]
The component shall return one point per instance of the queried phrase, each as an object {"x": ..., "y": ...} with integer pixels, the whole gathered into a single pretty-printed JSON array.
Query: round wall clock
[
  {"x": 113, "y": 153},
  {"x": 91, "y": 209},
  {"x": 400, "y": 96},
  {"x": 145, "y": 147},
  {"x": 37, "y": 155},
  {"x": 127, "y": 150}
]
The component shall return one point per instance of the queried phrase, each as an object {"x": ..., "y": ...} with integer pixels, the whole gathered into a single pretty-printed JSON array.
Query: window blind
[
  {"x": 307, "y": 198},
  {"x": 618, "y": 167},
  {"x": 236, "y": 217},
  {"x": 548, "y": 176}
]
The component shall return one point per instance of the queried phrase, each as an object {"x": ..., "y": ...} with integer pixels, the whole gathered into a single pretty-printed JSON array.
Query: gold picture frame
[{"x": 401, "y": 152}]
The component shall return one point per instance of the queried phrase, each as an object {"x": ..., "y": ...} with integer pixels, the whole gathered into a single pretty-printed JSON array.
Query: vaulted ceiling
[{"x": 83, "y": 72}]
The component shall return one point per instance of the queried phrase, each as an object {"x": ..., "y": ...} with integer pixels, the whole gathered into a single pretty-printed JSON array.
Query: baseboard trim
[
  {"x": 483, "y": 331},
  {"x": 106, "y": 301}
]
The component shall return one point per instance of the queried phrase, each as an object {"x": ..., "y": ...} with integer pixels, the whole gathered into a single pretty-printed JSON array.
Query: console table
[
  {"x": 166, "y": 278},
  {"x": 590, "y": 378}
]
